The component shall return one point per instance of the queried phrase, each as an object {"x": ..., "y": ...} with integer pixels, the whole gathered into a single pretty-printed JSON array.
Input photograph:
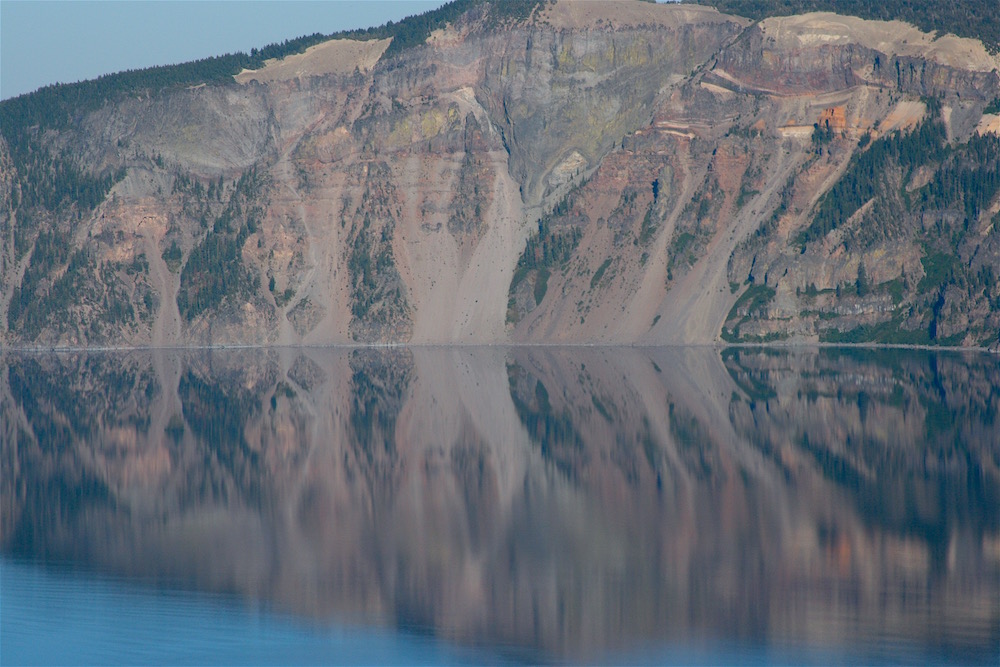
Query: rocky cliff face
[{"x": 612, "y": 172}]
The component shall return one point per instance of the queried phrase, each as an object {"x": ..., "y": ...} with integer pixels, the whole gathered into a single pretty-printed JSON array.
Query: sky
[{"x": 45, "y": 42}]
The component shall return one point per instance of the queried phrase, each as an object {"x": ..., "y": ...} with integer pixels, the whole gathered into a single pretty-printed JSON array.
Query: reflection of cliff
[
  {"x": 379, "y": 382},
  {"x": 98, "y": 402},
  {"x": 917, "y": 439},
  {"x": 217, "y": 404},
  {"x": 545, "y": 500}
]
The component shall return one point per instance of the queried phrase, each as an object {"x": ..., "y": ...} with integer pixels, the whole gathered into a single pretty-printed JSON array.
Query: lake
[{"x": 469, "y": 505}]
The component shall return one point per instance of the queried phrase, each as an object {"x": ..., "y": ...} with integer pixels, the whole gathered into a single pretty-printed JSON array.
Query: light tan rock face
[{"x": 392, "y": 199}]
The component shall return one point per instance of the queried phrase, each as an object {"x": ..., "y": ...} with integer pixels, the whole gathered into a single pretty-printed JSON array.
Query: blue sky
[{"x": 44, "y": 42}]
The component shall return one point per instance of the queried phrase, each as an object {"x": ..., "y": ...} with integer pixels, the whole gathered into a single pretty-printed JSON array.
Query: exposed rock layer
[{"x": 673, "y": 155}]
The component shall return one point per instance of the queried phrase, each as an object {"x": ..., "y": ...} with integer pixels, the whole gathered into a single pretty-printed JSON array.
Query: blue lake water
[
  {"x": 464, "y": 505},
  {"x": 58, "y": 616}
]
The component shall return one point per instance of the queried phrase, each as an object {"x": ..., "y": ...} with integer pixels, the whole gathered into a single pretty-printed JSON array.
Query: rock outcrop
[{"x": 598, "y": 172}]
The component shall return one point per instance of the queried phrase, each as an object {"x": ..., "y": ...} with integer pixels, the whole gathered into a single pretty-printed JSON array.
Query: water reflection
[{"x": 558, "y": 503}]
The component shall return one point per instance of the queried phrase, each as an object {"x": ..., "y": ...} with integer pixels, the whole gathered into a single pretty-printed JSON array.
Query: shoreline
[{"x": 38, "y": 349}]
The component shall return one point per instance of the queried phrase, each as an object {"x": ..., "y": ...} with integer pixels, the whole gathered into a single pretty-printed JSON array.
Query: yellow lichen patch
[
  {"x": 565, "y": 58},
  {"x": 190, "y": 133},
  {"x": 632, "y": 54},
  {"x": 401, "y": 134},
  {"x": 327, "y": 147},
  {"x": 566, "y": 170},
  {"x": 431, "y": 123},
  {"x": 592, "y": 61}
]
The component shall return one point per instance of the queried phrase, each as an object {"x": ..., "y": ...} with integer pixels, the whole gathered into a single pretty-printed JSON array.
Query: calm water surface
[{"x": 500, "y": 505}]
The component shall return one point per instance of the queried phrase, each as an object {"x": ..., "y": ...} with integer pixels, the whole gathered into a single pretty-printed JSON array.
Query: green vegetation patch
[
  {"x": 755, "y": 297},
  {"x": 681, "y": 243},
  {"x": 599, "y": 273},
  {"x": 648, "y": 228},
  {"x": 541, "y": 286},
  {"x": 939, "y": 268},
  {"x": 370, "y": 264},
  {"x": 173, "y": 257},
  {"x": 545, "y": 252},
  {"x": 886, "y": 332},
  {"x": 45, "y": 296},
  {"x": 868, "y": 176},
  {"x": 215, "y": 270},
  {"x": 752, "y": 300},
  {"x": 552, "y": 431}
]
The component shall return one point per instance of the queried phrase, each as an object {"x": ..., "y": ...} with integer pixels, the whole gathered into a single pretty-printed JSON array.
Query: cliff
[{"x": 582, "y": 172}]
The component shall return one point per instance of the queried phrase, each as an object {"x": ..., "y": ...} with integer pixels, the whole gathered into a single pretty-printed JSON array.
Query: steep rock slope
[
  {"x": 717, "y": 191},
  {"x": 595, "y": 172}
]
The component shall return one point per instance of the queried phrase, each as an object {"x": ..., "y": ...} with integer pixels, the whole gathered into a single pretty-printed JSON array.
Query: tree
[{"x": 862, "y": 283}]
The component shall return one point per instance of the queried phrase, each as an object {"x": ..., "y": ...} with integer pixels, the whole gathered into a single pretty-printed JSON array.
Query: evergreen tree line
[
  {"x": 215, "y": 270},
  {"x": 52, "y": 180},
  {"x": 48, "y": 182},
  {"x": 60, "y": 105},
  {"x": 31, "y": 309},
  {"x": 969, "y": 177},
  {"x": 364, "y": 271},
  {"x": 545, "y": 251},
  {"x": 55, "y": 183},
  {"x": 52, "y": 250},
  {"x": 549, "y": 249},
  {"x": 870, "y": 173}
]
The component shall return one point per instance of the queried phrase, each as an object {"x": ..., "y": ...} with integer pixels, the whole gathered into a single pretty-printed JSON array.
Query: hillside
[
  {"x": 615, "y": 172},
  {"x": 978, "y": 19}
]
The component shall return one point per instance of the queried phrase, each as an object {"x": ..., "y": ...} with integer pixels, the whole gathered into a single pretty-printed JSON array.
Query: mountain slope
[
  {"x": 575, "y": 172},
  {"x": 978, "y": 19}
]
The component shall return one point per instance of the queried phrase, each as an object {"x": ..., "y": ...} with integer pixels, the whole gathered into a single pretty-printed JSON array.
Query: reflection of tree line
[
  {"x": 69, "y": 402},
  {"x": 650, "y": 513},
  {"x": 50, "y": 485},
  {"x": 913, "y": 437},
  {"x": 73, "y": 397},
  {"x": 379, "y": 383},
  {"x": 552, "y": 431},
  {"x": 949, "y": 447},
  {"x": 217, "y": 414},
  {"x": 589, "y": 426}
]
